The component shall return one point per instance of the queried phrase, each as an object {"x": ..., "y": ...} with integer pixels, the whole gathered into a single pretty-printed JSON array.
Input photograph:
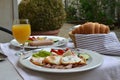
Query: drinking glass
[{"x": 21, "y": 31}]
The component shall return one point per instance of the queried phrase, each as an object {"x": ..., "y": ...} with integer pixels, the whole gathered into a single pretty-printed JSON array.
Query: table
[
  {"x": 11, "y": 70},
  {"x": 8, "y": 72}
]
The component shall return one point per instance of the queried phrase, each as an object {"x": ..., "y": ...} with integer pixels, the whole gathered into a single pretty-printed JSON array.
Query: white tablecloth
[{"x": 109, "y": 70}]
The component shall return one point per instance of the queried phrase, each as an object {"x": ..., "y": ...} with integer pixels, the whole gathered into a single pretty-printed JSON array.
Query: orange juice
[{"x": 21, "y": 32}]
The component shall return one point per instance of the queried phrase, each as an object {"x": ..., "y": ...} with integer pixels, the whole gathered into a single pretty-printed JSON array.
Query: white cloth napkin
[
  {"x": 102, "y": 43},
  {"x": 109, "y": 70}
]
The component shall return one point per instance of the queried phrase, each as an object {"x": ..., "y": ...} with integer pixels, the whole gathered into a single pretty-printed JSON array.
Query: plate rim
[
  {"x": 43, "y": 69},
  {"x": 14, "y": 40}
]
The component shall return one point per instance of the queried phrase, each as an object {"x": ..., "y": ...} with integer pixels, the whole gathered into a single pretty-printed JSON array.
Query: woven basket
[
  {"x": 101, "y": 43},
  {"x": 72, "y": 36}
]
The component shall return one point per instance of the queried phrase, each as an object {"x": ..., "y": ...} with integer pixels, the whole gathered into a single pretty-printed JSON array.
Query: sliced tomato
[
  {"x": 61, "y": 51},
  {"x": 67, "y": 49},
  {"x": 31, "y": 39},
  {"x": 53, "y": 50},
  {"x": 56, "y": 51}
]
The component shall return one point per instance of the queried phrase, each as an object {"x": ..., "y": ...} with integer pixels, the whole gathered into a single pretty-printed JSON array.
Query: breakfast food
[
  {"x": 39, "y": 41},
  {"x": 91, "y": 28},
  {"x": 88, "y": 28},
  {"x": 58, "y": 58}
]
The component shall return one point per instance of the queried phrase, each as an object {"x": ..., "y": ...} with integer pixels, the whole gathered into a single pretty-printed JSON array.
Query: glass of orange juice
[{"x": 21, "y": 30}]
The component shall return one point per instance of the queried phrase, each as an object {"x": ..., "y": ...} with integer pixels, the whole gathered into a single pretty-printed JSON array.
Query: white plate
[
  {"x": 94, "y": 61},
  {"x": 62, "y": 41}
]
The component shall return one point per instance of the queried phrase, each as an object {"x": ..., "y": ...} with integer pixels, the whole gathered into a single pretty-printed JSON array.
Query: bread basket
[
  {"x": 72, "y": 36},
  {"x": 88, "y": 28}
]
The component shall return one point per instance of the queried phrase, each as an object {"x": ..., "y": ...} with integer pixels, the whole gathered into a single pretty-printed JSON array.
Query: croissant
[{"x": 91, "y": 28}]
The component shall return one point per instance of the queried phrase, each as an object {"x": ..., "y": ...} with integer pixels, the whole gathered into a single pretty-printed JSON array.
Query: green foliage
[
  {"x": 71, "y": 11},
  {"x": 100, "y": 11},
  {"x": 103, "y": 11},
  {"x": 44, "y": 15}
]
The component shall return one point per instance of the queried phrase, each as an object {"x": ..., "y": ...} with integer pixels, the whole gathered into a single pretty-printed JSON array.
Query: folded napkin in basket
[{"x": 102, "y": 43}]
